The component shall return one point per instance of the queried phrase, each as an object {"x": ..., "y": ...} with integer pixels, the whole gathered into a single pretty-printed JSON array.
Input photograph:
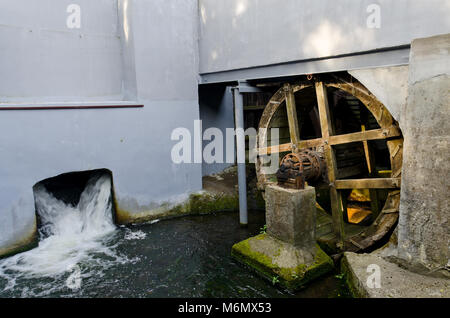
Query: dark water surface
[{"x": 185, "y": 257}]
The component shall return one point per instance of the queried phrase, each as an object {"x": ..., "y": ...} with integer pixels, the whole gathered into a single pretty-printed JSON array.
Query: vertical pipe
[{"x": 240, "y": 150}]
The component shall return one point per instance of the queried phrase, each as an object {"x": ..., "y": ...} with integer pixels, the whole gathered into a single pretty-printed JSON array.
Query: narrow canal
[
  {"x": 82, "y": 254},
  {"x": 186, "y": 257}
]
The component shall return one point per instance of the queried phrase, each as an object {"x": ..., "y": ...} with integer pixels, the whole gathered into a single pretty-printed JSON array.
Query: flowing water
[{"x": 82, "y": 253}]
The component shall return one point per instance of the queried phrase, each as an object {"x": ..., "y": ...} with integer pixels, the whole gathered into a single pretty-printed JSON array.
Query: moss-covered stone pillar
[{"x": 287, "y": 253}]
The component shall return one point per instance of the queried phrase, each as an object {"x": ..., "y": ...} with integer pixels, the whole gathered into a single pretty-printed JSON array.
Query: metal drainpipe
[{"x": 240, "y": 151}]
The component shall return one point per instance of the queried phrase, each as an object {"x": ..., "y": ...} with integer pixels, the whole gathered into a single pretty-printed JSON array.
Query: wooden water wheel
[{"x": 330, "y": 141}]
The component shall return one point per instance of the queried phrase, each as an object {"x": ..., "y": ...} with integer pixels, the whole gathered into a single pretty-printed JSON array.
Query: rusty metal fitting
[{"x": 296, "y": 168}]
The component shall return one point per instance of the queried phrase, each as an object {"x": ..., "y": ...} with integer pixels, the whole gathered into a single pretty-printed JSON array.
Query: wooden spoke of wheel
[
  {"x": 388, "y": 130},
  {"x": 292, "y": 114},
  {"x": 337, "y": 208},
  {"x": 373, "y": 134}
]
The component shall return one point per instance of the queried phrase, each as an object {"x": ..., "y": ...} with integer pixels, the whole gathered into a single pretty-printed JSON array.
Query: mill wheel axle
[{"x": 298, "y": 168}]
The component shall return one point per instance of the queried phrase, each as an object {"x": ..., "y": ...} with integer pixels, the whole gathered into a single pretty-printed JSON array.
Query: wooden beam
[
  {"x": 381, "y": 114},
  {"x": 367, "y": 153},
  {"x": 275, "y": 149},
  {"x": 351, "y": 171},
  {"x": 396, "y": 150},
  {"x": 254, "y": 107},
  {"x": 324, "y": 110},
  {"x": 288, "y": 147},
  {"x": 337, "y": 204},
  {"x": 373, "y": 134},
  {"x": 310, "y": 143},
  {"x": 292, "y": 114},
  {"x": 371, "y": 183}
]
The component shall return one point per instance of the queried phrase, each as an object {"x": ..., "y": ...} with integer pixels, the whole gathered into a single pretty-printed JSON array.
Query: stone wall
[{"x": 424, "y": 229}]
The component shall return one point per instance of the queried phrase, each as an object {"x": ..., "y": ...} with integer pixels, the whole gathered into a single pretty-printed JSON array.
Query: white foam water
[
  {"x": 70, "y": 237},
  {"x": 135, "y": 235}
]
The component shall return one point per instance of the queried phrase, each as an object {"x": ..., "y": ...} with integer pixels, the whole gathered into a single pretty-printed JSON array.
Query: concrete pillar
[
  {"x": 291, "y": 215},
  {"x": 288, "y": 249},
  {"x": 240, "y": 152},
  {"x": 424, "y": 222}
]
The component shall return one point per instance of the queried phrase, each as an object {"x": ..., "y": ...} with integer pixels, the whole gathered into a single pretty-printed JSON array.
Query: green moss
[
  {"x": 350, "y": 280},
  {"x": 25, "y": 245},
  {"x": 198, "y": 203},
  {"x": 205, "y": 203},
  {"x": 322, "y": 265},
  {"x": 297, "y": 277},
  {"x": 327, "y": 245},
  {"x": 292, "y": 278},
  {"x": 258, "y": 261}
]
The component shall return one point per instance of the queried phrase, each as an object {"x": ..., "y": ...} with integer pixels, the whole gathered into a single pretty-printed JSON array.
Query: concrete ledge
[
  {"x": 395, "y": 282},
  {"x": 197, "y": 203},
  {"x": 220, "y": 194},
  {"x": 28, "y": 242},
  {"x": 281, "y": 262}
]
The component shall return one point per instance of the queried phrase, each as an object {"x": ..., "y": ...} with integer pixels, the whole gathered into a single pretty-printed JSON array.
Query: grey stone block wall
[{"x": 424, "y": 229}]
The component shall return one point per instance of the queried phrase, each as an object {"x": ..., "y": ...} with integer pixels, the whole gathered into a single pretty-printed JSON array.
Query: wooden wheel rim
[{"x": 388, "y": 130}]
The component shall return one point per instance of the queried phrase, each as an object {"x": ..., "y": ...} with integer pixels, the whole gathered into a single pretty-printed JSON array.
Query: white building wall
[
  {"x": 126, "y": 52},
  {"x": 237, "y": 34}
]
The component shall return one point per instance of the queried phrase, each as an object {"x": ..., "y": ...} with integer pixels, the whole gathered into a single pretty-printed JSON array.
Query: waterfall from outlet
[{"x": 71, "y": 237}]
